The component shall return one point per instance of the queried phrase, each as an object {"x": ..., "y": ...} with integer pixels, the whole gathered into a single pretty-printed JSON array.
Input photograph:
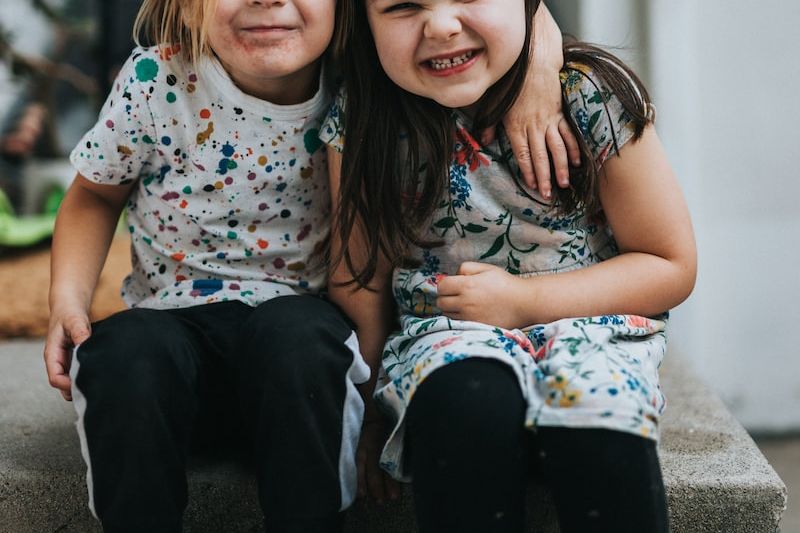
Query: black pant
[
  {"x": 148, "y": 382},
  {"x": 470, "y": 458}
]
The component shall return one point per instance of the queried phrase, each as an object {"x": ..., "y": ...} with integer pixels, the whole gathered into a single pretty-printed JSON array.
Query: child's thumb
[
  {"x": 79, "y": 329},
  {"x": 470, "y": 268}
]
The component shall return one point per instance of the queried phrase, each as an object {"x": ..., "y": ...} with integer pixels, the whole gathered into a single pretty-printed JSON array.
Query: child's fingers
[
  {"x": 470, "y": 268},
  {"x": 541, "y": 164},
  {"x": 558, "y": 151},
  {"x": 78, "y": 329},
  {"x": 449, "y": 305},
  {"x": 361, "y": 473},
  {"x": 573, "y": 149},
  {"x": 375, "y": 481},
  {"x": 57, "y": 362},
  {"x": 521, "y": 146},
  {"x": 448, "y": 286},
  {"x": 391, "y": 486}
]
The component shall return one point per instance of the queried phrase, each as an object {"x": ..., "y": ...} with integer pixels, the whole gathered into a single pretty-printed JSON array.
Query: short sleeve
[
  {"x": 598, "y": 113},
  {"x": 332, "y": 130},
  {"x": 122, "y": 144}
]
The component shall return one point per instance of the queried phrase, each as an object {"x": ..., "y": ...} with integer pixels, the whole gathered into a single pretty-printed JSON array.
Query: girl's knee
[
  {"x": 468, "y": 396},
  {"x": 295, "y": 336},
  {"x": 135, "y": 352}
]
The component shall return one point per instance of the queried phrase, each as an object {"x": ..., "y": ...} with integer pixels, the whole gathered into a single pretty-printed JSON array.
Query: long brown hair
[{"x": 391, "y": 193}]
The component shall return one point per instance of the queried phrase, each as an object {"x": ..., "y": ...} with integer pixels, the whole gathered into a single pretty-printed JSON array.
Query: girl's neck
[{"x": 295, "y": 88}]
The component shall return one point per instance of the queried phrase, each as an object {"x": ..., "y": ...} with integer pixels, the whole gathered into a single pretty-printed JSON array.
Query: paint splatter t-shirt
[{"x": 230, "y": 198}]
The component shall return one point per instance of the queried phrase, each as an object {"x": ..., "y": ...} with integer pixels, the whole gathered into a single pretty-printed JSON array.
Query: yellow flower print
[
  {"x": 559, "y": 381},
  {"x": 570, "y": 398}
]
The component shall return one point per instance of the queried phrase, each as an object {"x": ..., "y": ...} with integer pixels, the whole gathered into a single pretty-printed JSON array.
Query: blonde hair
[{"x": 167, "y": 23}]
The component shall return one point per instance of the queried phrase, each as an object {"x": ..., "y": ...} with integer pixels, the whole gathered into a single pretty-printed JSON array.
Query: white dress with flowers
[{"x": 592, "y": 372}]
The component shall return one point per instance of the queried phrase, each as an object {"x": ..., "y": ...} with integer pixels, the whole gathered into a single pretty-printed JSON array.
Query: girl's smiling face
[
  {"x": 271, "y": 48},
  {"x": 450, "y": 51}
]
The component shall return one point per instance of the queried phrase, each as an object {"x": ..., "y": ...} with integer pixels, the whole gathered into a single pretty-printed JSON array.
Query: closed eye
[{"x": 401, "y": 6}]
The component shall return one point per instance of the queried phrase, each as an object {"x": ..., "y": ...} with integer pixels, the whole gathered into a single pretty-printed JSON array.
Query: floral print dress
[{"x": 599, "y": 371}]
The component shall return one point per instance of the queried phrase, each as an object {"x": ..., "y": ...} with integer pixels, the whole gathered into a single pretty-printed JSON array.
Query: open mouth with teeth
[{"x": 444, "y": 64}]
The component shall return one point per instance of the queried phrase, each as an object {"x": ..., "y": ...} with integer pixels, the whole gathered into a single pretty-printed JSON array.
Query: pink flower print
[
  {"x": 540, "y": 353},
  {"x": 636, "y": 321},
  {"x": 523, "y": 342},
  {"x": 446, "y": 342}
]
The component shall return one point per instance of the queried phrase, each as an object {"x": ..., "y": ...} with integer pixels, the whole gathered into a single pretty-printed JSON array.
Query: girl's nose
[{"x": 443, "y": 23}]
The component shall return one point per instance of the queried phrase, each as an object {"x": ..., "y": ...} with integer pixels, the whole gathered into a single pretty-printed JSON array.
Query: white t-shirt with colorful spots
[{"x": 231, "y": 198}]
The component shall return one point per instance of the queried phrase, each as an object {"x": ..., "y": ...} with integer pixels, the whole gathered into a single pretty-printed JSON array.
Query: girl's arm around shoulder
[
  {"x": 84, "y": 229},
  {"x": 535, "y": 124},
  {"x": 372, "y": 311},
  {"x": 654, "y": 271}
]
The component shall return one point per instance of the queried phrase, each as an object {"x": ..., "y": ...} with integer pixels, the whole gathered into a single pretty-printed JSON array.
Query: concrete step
[{"x": 717, "y": 480}]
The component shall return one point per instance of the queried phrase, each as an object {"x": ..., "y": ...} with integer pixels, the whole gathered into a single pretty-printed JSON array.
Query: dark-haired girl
[{"x": 531, "y": 330}]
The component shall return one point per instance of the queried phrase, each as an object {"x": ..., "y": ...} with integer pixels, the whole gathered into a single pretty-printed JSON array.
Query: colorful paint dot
[
  {"x": 262, "y": 207},
  {"x": 205, "y": 114},
  {"x": 146, "y": 69},
  {"x": 286, "y": 213},
  {"x": 192, "y": 78},
  {"x": 251, "y": 176},
  {"x": 190, "y": 88},
  {"x": 232, "y": 235},
  {"x": 311, "y": 140},
  {"x": 228, "y": 180},
  {"x": 219, "y": 185},
  {"x": 262, "y": 160},
  {"x": 171, "y": 97},
  {"x": 263, "y": 244},
  {"x": 147, "y": 139},
  {"x": 166, "y": 141},
  {"x": 187, "y": 190},
  {"x": 252, "y": 228},
  {"x": 110, "y": 123},
  {"x": 172, "y": 80},
  {"x": 209, "y": 188}
]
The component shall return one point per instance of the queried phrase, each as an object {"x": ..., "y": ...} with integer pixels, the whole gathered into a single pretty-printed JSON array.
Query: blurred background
[{"x": 724, "y": 76}]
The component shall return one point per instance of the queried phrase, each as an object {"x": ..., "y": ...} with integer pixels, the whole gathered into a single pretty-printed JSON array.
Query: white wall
[{"x": 725, "y": 76}]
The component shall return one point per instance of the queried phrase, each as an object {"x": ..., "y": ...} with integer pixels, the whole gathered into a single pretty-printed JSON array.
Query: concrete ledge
[{"x": 717, "y": 480}]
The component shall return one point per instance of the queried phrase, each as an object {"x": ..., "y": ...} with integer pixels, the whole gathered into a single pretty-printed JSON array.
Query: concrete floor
[{"x": 783, "y": 453}]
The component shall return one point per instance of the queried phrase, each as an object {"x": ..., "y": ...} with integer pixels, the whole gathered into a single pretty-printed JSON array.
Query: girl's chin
[{"x": 456, "y": 102}]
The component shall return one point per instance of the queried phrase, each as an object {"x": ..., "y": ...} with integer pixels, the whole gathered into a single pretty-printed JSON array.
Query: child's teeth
[{"x": 441, "y": 64}]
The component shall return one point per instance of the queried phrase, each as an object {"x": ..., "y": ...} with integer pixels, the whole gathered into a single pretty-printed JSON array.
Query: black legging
[{"x": 470, "y": 457}]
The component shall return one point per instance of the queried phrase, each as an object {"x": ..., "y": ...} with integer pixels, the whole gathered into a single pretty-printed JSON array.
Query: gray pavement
[{"x": 716, "y": 478}]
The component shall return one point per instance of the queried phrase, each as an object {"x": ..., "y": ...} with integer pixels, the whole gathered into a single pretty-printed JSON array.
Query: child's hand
[
  {"x": 539, "y": 133},
  {"x": 372, "y": 479},
  {"x": 535, "y": 125},
  {"x": 67, "y": 330},
  {"x": 480, "y": 293}
]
